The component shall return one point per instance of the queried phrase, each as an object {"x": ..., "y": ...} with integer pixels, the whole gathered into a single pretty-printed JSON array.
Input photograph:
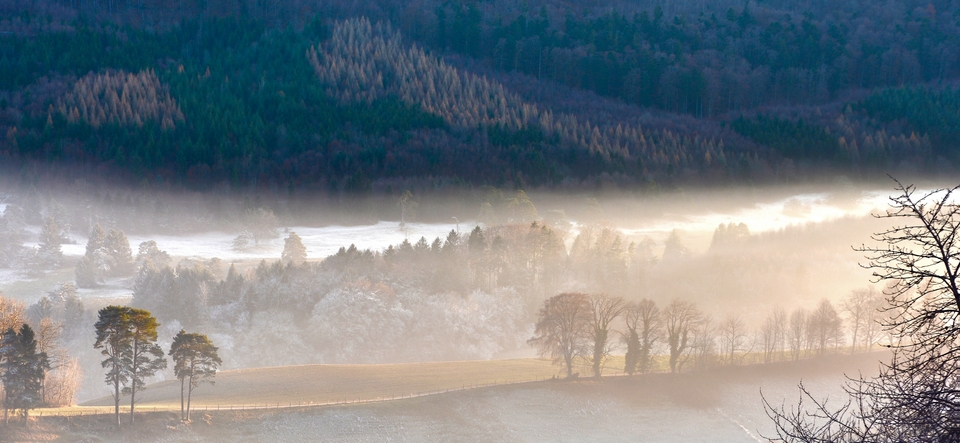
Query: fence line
[
  {"x": 748, "y": 359},
  {"x": 291, "y": 405}
]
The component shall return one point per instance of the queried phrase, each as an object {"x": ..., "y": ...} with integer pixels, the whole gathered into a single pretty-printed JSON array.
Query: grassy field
[
  {"x": 328, "y": 384},
  {"x": 722, "y": 404},
  {"x": 312, "y": 385}
]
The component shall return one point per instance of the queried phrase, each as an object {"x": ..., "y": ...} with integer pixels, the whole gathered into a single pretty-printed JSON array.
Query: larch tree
[
  {"x": 195, "y": 361},
  {"x": 563, "y": 328},
  {"x": 12, "y": 313}
]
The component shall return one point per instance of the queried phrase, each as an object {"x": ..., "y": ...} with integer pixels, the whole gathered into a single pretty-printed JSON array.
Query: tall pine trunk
[
  {"x": 133, "y": 378},
  {"x": 116, "y": 400},
  {"x": 189, "y": 396},
  {"x": 182, "y": 415}
]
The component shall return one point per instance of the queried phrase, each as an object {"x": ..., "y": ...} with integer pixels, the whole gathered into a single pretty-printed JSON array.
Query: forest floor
[{"x": 723, "y": 404}]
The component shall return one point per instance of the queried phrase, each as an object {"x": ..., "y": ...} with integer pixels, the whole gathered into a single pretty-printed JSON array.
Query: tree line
[
  {"x": 574, "y": 327},
  {"x": 125, "y": 336}
]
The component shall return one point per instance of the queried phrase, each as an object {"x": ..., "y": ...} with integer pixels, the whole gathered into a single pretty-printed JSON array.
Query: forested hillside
[{"x": 384, "y": 96}]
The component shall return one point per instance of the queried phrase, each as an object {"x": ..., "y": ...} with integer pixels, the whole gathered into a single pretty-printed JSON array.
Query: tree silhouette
[
  {"x": 127, "y": 337},
  {"x": 680, "y": 318},
  {"x": 195, "y": 361},
  {"x": 604, "y": 310},
  {"x": 23, "y": 368},
  {"x": 563, "y": 328},
  {"x": 914, "y": 398}
]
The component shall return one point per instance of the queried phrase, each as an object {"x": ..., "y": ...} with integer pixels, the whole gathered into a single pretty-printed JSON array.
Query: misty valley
[
  {"x": 480, "y": 220},
  {"x": 760, "y": 280}
]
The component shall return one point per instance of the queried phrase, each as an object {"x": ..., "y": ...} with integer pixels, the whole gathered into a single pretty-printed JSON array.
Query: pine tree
[
  {"x": 96, "y": 241},
  {"x": 293, "y": 250},
  {"x": 118, "y": 249},
  {"x": 146, "y": 357},
  {"x": 114, "y": 341},
  {"x": 86, "y": 273},
  {"x": 48, "y": 250},
  {"x": 148, "y": 252},
  {"x": 128, "y": 338},
  {"x": 195, "y": 361},
  {"x": 23, "y": 370},
  {"x": 91, "y": 268}
]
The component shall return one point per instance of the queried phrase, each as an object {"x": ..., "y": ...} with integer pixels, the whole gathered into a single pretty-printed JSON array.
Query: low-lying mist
[{"x": 398, "y": 278}]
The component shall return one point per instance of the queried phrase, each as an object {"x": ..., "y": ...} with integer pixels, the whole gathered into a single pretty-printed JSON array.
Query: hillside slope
[
  {"x": 322, "y": 384},
  {"x": 621, "y": 94}
]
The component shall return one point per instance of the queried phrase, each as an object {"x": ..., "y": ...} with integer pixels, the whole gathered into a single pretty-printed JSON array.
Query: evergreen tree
[
  {"x": 118, "y": 249},
  {"x": 86, "y": 273},
  {"x": 23, "y": 370},
  {"x": 48, "y": 251},
  {"x": 114, "y": 340},
  {"x": 11, "y": 235},
  {"x": 149, "y": 252},
  {"x": 128, "y": 338},
  {"x": 293, "y": 250},
  {"x": 96, "y": 241},
  {"x": 91, "y": 268},
  {"x": 146, "y": 357},
  {"x": 195, "y": 361}
]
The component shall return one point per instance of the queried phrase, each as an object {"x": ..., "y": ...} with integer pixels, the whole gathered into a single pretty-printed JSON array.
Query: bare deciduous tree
[
  {"x": 733, "y": 337},
  {"x": 825, "y": 327},
  {"x": 773, "y": 334},
  {"x": 859, "y": 307},
  {"x": 914, "y": 398},
  {"x": 797, "y": 333},
  {"x": 680, "y": 319},
  {"x": 563, "y": 327},
  {"x": 604, "y": 310}
]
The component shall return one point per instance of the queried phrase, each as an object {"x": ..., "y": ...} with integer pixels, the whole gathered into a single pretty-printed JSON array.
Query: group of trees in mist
[
  {"x": 574, "y": 327},
  {"x": 107, "y": 255},
  {"x": 23, "y": 368},
  {"x": 127, "y": 337},
  {"x": 248, "y": 101},
  {"x": 39, "y": 366},
  {"x": 47, "y": 255},
  {"x": 35, "y": 365}
]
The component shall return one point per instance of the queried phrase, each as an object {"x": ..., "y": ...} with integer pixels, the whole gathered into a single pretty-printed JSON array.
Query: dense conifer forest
[{"x": 352, "y": 98}]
